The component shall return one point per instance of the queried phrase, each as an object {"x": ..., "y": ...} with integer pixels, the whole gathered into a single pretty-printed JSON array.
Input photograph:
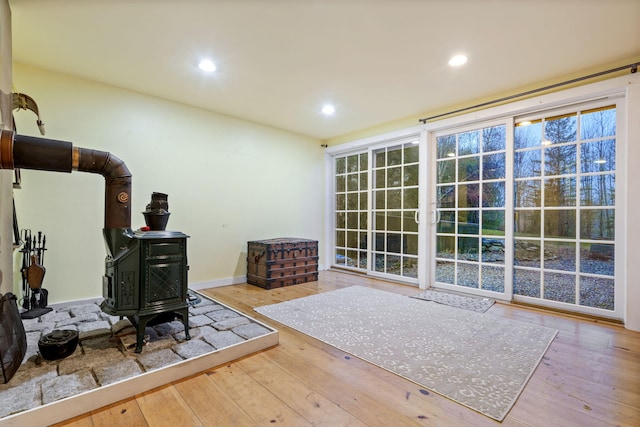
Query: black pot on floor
[{"x": 58, "y": 344}]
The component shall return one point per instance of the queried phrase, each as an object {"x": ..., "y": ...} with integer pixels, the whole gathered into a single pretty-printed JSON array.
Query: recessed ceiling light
[
  {"x": 328, "y": 109},
  {"x": 458, "y": 60},
  {"x": 207, "y": 65}
]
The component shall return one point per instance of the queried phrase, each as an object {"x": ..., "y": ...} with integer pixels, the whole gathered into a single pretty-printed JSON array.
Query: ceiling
[{"x": 279, "y": 61}]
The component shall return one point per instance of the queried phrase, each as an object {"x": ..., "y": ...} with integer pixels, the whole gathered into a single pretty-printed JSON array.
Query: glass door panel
[
  {"x": 395, "y": 181},
  {"x": 564, "y": 173},
  {"x": 471, "y": 197},
  {"x": 351, "y": 210}
]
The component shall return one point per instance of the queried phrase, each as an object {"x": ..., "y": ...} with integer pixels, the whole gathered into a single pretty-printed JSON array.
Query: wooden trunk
[{"x": 275, "y": 263}]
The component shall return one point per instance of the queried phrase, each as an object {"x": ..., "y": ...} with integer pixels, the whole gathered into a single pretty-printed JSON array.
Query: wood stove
[
  {"x": 146, "y": 272},
  {"x": 148, "y": 279}
]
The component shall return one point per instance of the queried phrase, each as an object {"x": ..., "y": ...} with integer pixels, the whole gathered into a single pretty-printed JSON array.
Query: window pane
[
  {"x": 340, "y": 183},
  {"x": 493, "y": 223},
  {"x": 598, "y": 190},
  {"x": 445, "y": 272},
  {"x": 363, "y": 220},
  {"x": 526, "y": 282},
  {"x": 468, "y": 196},
  {"x": 380, "y": 223},
  {"x": 446, "y": 196},
  {"x": 493, "y": 278},
  {"x": 394, "y": 199},
  {"x": 380, "y": 158},
  {"x": 341, "y": 201},
  {"x": 527, "y": 253},
  {"x": 379, "y": 239},
  {"x": 560, "y": 223},
  {"x": 447, "y": 222},
  {"x": 468, "y": 275},
  {"x": 445, "y": 246},
  {"x": 410, "y": 223},
  {"x": 364, "y": 201},
  {"x": 527, "y": 164},
  {"x": 560, "y": 287},
  {"x": 528, "y": 136},
  {"x": 560, "y": 255},
  {"x": 364, "y": 162},
  {"x": 410, "y": 267},
  {"x": 352, "y": 201},
  {"x": 352, "y": 220},
  {"x": 494, "y": 138},
  {"x": 340, "y": 165},
  {"x": 469, "y": 143},
  {"x": 598, "y": 124},
  {"x": 411, "y": 153},
  {"x": 493, "y": 250},
  {"x": 394, "y": 221},
  {"x": 493, "y": 194},
  {"x": 468, "y": 248},
  {"x": 598, "y": 156},
  {"x": 341, "y": 258},
  {"x": 561, "y": 129},
  {"x": 410, "y": 200},
  {"x": 364, "y": 180},
  {"x": 468, "y": 222},
  {"x": 469, "y": 168},
  {"x": 411, "y": 175},
  {"x": 493, "y": 166},
  {"x": 527, "y": 223},
  {"x": 560, "y": 192},
  {"x": 341, "y": 238},
  {"x": 394, "y": 157},
  {"x": 394, "y": 177},
  {"x": 597, "y": 292},
  {"x": 597, "y": 224},
  {"x": 527, "y": 193},
  {"x": 340, "y": 220},
  {"x": 410, "y": 245},
  {"x": 394, "y": 243},
  {"x": 446, "y": 171},
  {"x": 560, "y": 160},
  {"x": 597, "y": 258},
  {"x": 446, "y": 146},
  {"x": 352, "y": 239},
  {"x": 352, "y": 163},
  {"x": 381, "y": 178},
  {"x": 353, "y": 182}
]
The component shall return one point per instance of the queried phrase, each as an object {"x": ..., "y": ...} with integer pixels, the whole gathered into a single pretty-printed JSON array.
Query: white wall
[{"x": 229, "y": 181}]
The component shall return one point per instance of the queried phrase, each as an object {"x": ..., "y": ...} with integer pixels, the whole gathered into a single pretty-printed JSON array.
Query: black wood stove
[
  {"x": 148, "y": 280},
  {"x": 146, "y": 271}
]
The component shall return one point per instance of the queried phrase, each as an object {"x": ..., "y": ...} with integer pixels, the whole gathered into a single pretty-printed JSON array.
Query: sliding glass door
[
  {"x": 471, "y": 233},
  {"x": 376, "y": 210}
]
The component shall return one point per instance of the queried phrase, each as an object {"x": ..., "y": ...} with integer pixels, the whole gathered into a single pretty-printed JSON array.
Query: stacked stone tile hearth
[{"x": 105, "y": 353}]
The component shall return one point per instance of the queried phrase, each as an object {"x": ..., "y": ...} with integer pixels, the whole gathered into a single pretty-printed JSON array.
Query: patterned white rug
[
  {"x": 473, "y": 303},
  {"x": 478, "y": 360}
]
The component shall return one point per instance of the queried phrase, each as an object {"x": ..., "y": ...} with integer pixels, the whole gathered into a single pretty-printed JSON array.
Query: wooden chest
[{"x": 275, "y": 263}]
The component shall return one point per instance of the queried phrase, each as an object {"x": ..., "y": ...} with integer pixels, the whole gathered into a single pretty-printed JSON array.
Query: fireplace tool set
[{"x": 35, "y": 297}]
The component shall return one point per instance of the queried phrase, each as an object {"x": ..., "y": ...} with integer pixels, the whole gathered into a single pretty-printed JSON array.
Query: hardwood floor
[{"x": 590, "y": 376}]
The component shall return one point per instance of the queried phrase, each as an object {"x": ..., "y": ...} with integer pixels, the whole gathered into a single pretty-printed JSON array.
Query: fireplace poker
[{"x": 26, "y": 250}]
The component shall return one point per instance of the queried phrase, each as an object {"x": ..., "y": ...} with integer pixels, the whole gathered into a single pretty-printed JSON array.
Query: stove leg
[{"x": 184, "y": 313}]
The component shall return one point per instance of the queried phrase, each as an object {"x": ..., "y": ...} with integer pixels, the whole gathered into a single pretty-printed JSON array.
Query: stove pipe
[{"x": 28, "y": 152}]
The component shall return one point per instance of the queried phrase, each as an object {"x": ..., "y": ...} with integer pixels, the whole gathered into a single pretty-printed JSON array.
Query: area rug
[
  {"x": 478, "y": 360},
  {"x": 451, "y": 299}
]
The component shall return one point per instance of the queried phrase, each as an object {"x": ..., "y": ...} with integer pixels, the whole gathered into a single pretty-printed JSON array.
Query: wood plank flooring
[{"x": 590, "y": 376}]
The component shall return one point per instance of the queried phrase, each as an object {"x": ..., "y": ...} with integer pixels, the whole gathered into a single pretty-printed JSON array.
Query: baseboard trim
[{"x": 217, "y": 283}]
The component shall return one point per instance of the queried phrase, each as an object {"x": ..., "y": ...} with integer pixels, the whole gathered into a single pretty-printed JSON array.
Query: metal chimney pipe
[{"x": 28, "y": 152}]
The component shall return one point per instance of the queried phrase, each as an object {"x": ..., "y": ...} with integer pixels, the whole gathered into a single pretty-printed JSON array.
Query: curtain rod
[{"x": 633, "y": 67}]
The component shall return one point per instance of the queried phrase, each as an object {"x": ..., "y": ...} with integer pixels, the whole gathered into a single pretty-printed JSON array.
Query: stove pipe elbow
[{"x": 27, "y": 152}]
